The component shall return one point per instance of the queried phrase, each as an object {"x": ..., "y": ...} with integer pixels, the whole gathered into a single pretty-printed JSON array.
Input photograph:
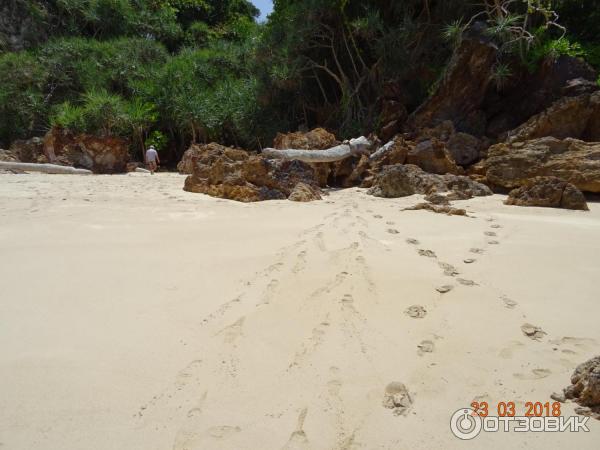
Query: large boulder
[
  {"x": 100, "y": 154},
  {"x": 186, "y": 165},
  {"x": 511, "y": 165},
  {"x": 570, "y": 117},
  {"x": 235, "y": 174},
  {"x": 548, "y": 192},
  {"x": 433, "y": 156},
  {"x": 402, "y": 180}
]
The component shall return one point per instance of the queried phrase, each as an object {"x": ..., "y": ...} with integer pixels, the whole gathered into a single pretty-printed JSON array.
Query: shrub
[{"x": 22, "y": 101}]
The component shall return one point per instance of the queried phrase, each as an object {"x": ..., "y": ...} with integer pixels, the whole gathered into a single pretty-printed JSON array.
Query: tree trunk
[
  {"x": 43, "y": 168},
  {"x": 355, "y": 147}
]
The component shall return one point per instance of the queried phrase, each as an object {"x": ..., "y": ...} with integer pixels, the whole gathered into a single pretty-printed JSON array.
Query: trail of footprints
[{"x": 292, "y": 261}]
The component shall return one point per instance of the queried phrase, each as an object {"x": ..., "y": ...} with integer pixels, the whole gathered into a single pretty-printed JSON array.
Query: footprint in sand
[
  {"x": 300, "y": 263},
  {"x": 508, "y": 303},
  {"x": 392, "y": 231},
  {"x": 444, "y": 289},
  {"x": 397, "y": 398},
  {"x": 298, "y": 439},
  {"x": 493, "y": 242},
  {"x": 490, "y": 234},
  {"x": 320, "y": 242},
  {"x": 536, "y": 374},
  {"x": 449, "y": 269},
  {"x": 477, "y": 251},
  {"x": 378, "y": 216},
  {"x": 507, "y": 353},
  {"x": 465, "y": 282},
  {"x": 416, "y": 312},
  {"x": 427, "y": 253},
  {"x": 496, "y": 226},
  {"x": 412, "y": 241},
  {"x": 232, "y": 332},
  {"x": 425, "y": 347},
  {"x": 533, "y": 332},
  {"x": 469, "y": 260},
  {"x": 390, "y": 223}
]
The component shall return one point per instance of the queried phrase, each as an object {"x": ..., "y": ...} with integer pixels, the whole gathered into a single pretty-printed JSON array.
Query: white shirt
[{"x": 151, "y": 155}]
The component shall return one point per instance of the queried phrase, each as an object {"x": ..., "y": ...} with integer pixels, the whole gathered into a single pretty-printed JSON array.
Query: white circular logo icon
[{"x": 465, "y": 424}]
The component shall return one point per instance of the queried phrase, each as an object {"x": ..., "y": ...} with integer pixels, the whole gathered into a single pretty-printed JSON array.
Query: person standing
[{"x": 152, "y": 159}]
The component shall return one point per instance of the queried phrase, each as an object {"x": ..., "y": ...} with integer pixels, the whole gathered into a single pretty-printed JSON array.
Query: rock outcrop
[
  {"x": 460, "y": 93},
  {"x": 100, "y": 154},
  {"x": 317, "y": 139},
  {"x": 585, "y": 387},
  {"x": 303, "y": 192},
  {"x": 433, "y": 156},
  {"x": 549, "y": 192},
  {"x": 511, "y": 165},
  {"x": 186, "y": 165},
  {"x": 30, "y": 150},
  {"x": 8, "y": 156},
  {"x": 527, "y": 94},
  {"x": 403, "y": 180},
  {"x": 570, "y": 117},
  {"x": 238, "y": 175}
]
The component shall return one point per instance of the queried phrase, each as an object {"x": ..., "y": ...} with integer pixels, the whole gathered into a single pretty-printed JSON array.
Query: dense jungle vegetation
[{"x": 175, "y": 71}]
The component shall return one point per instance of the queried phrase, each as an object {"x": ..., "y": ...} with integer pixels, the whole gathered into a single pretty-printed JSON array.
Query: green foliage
[
  {"x": 158, "y": 140},
  {"x": 453, "y": 32},
  {"x": 22, "y": 99},
  {"x": 100, "y": 113},
  {"x": 553, "y": 49},
  {"x": 205, "y": 70}
]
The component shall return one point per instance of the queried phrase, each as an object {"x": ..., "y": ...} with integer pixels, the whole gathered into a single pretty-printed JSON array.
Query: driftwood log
[
  {"x": 384, "y": 150},
  {"x": 43, "y": 168},
  {"x": 354, "y": 147}
]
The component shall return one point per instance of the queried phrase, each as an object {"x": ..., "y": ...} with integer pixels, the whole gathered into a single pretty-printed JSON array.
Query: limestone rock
[
  {"x": 8, "y": 156},
  {"x": 585, "y": 385},
  {"x": 549, "y": 192},
  {"x": 511, "y": 165},
  {"x": 30, "y": 150},
  {"x": 464, "y": 148},
  {"x": 439, "y": 209},
  {"x": 100, "y": 154},
  {"x": 238, "y": 175},
  {"x": 432, "y": 156},
  {"x": 317, "y": 139},
  {"x": 569, "y": 117},
  {"x": 460, "y": 93},
  {"x": 528, "y": 94},
  {"x": 186, "y": 166},
  {"x": 404, "y": 180},
  {"x": 303, "y": 192}
]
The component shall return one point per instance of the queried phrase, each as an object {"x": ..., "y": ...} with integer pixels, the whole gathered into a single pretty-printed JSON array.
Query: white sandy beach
[{"x": 137, "y": 316}]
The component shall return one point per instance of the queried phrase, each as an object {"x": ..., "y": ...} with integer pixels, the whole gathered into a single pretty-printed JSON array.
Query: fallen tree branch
[
  {"x": 44, "y": 168},
  {"x": 354, "y": 147}
]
